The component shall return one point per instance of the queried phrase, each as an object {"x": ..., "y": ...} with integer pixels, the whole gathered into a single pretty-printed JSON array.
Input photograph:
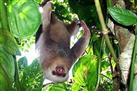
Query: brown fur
[{"x": 56, "y": 56}]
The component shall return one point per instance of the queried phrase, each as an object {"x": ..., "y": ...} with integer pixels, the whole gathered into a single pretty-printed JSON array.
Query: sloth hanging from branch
[{"x": 56, "y": 56}]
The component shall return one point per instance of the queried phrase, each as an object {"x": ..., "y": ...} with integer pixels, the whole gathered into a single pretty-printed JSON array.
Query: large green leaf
[
  {"x": 122, "y": 16},
  {"x": 32, "y": 77},
  {"x": 24, "y": 18},
  {"x": 55, "y": 87},
  {"x": 3, "y": 83},
  {"x": 85, "y": 74},
  {"x": 7, "y": 71},
  {"x": 8, "y": 42},
  {"x": 22, "y": 63}
]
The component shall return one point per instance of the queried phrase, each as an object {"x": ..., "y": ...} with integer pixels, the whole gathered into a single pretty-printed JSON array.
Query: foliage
[
  {"x": 55, "y": 87},
  {"x": 88, "y": 13},
  {"x": 91, "y": 72},
  {"x": 21, "y": 13},
  {"x": 62, "y": 10},
  {"x": 127, "y": 18},
  {"x": 8, "y": 43},
  {"x": 7, "y": 70},
  {"x": 31, "y": 78},
  {"x": 122, "y": 16},
  {"x": 85, "y": 73},
  {"x": 19, "y": 24}
]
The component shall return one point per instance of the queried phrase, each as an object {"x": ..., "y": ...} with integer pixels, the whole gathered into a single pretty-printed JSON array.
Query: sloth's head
[{"x": 58, "y": 70}]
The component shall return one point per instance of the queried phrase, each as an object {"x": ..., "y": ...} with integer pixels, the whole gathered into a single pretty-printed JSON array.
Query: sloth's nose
[{"x": 59, "y": 71}]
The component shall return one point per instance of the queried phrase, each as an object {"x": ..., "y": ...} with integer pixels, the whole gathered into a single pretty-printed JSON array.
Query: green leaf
[
  {"x": 22, "y": 63},
  {"x": 3, "y": 82},
  {"x": 85, "y": 73},
  {"x": 105, "y": 64},
  {"x": 7, "y": 69},
  {"x": 32, "y": 77},
  {"x": 55, "y": 87},
  {"x": 24, "y": 18},
  {"x": 8, "y": 42},
  {"x": 123, "y": 16}
]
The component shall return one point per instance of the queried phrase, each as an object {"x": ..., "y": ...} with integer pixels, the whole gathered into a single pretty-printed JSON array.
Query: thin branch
[
  {"x": 17, "y": 82},
  {"x": 104, "y": 29},
  {"x": 106, "y": 77},
  {"x": 134, "y": 54},
  {"x": 111, "y": 67}
]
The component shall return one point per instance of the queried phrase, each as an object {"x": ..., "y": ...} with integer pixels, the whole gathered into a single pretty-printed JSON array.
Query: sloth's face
[{"x": 58, "y": 71}]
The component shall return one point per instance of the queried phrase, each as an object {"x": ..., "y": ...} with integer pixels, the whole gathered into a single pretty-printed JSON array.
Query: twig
[{"x": 105, "y": 30}]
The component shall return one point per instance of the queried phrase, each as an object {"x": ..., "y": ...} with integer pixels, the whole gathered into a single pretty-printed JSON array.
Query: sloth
[{"x": 56, "y": 57}]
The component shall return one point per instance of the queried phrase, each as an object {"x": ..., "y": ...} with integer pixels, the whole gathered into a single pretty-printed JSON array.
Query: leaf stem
[
  {"x": 109, "y": 3},
  {"x": 99, "y": 65},
  {"x": 17, "y": 82},
  {"x": 134, "y": 53}
]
